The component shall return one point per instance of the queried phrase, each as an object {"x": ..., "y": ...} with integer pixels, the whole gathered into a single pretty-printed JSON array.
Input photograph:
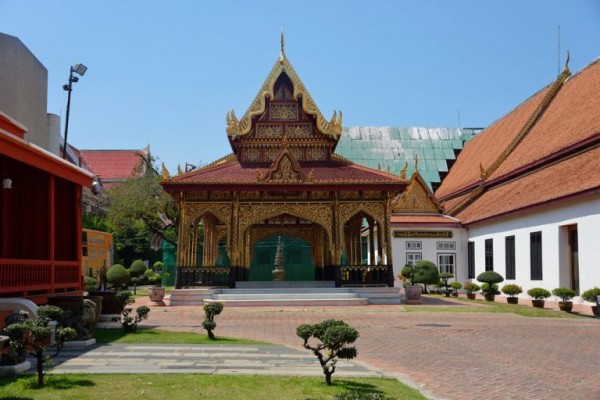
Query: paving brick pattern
[{"x": 445, "y": 355}]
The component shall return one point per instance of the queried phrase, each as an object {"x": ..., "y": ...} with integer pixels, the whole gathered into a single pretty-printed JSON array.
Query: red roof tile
[
  {"x": 569, "y": 177},
  {"x": 325, "y": 172},
  {"x": 112, "y": 165},
  {"x": 485, "y": 148},
  {"x": 573, "y": 116}
]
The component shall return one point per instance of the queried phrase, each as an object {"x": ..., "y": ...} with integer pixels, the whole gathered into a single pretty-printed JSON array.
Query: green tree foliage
[
  {"x": 117, "y": 276},
  {"x": 333, "y": 339},
  {"x": 137, "y": 268},
  {"x": 134, "y": 215}
]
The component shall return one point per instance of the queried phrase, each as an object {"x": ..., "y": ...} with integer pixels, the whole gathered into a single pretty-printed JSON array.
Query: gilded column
[
  {"x": 388, "y": 228},
  {"x": 337, "y": 231},
  {"x": 234, "y": 245}
]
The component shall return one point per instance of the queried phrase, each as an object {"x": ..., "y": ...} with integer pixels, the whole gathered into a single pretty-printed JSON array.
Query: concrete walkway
[
  {"x": 445, "y": 355},
  {"x": 206, "y": 359}
]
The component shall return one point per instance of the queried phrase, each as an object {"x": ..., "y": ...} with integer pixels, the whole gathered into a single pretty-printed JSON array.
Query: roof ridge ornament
[{"x": 282, "y": 53}]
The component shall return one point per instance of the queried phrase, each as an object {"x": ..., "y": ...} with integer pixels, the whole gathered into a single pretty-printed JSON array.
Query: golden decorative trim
[
  {"x": 533, "y": 119},
  {"x": 417, "y": 198},
  {"x": 285, "y": 169},
  {"x": 165, "y": 173},
  {"x": 243, "y": 126}
]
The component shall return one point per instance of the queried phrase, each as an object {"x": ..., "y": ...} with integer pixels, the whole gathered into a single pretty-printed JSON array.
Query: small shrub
[
  {"x": 117, "y": 276},
  {"x": 334, "y": 338},
  {"x": 456, "y": 285},
  {"x": 34, "y": 335},
  {"x": 153, "y": 277},
  {"x": 490, "y": 280},
  {"x": 158, "y": 266},
  {"x": 89, "y": 283},
  {"x": 210, "y": 311},
  {"x": 137, "y": 268},
  {"x": 538, "y": 293},
  {"x": 512, "y": 290},
  {"x": 565, "y": 294},
  {"x": 128, "y": 322},
  {"x": 591, "y": 294},
  {"x": 471, "y": 287},
  {"x": 427, "y": 273}
]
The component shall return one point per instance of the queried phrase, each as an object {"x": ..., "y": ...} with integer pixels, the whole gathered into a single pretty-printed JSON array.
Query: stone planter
[
  {"x": 157, "y": 295},
  {"x": 566, "y": 306},
  {"x": 413, "y": 294},
  {"x": 538, "y": 303},
  {"x": 512, "y": 300},
  {"x": 595, "y": 311},
  {"x": 489, "y": 296},
  {"x": 471, "y": 296},
  {"x": 110, "y": 305}
]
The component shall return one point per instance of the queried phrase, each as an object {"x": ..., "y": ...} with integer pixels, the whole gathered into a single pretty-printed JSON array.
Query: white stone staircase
[{"x": 248, "y": 294}]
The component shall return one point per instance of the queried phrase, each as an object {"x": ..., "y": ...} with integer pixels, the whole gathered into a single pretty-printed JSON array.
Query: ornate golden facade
[{"x": 283, "y": 179}]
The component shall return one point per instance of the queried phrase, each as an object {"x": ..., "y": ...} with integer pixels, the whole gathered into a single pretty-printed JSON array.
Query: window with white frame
[
  {"x": 414, "y": 246},
  {"x": 446, "y": 245},
  {"x": 446, "y": 262},
  {"x": 413, "y": 258}
]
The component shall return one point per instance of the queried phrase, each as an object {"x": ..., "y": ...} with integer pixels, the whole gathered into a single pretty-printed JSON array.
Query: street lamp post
[{"x": 80, "y": 70}]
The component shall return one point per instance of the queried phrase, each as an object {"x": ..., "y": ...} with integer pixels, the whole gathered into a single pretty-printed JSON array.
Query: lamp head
[
  {"x": 79, "y": 69},
  {"x": 96, "y": 187}
]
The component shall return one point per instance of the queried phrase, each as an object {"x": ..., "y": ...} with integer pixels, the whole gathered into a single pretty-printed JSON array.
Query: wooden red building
[{"x": 40, "y": 218}]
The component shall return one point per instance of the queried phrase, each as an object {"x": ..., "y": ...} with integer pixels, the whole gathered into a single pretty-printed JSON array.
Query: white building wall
[
  {"x": 429, "y": 249},
  {"x": 552, "y": 221}
]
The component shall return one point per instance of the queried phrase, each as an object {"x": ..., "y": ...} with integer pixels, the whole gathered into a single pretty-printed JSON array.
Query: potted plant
[
  {"x": 117, "y": 276},
  {"x": 490, "y": 280},
  {"x": 412, "y": 289},
  {"x": 512, "y": 290},
  {"x": 591, "y": 295},
  {"x": 156, "y": 292},
  {"x": 444, "y": 276},
  {"x": 455, "y": 285},
  {"x": 472, "y": 289},
  {"x": 538, "y": 295},
  {"x": 566, "y": 298}
]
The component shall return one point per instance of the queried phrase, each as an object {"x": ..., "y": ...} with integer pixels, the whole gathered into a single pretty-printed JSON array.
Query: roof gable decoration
[
  {"x": 241, "y": 127},
  {"x": 417, "y": 198},
  {"x": 285, "y": 169}
]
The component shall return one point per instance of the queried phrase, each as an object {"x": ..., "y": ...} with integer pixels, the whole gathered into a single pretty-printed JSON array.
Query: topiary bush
[
  {"x": 117, "y": 276},
  {"x": 565, "y": 294},
  {"x": 490, "y": 281},
  {"x": 538, "y": 293},
  {"x": 471, "y": 287},
  {"x": 127, "y": 321},
  {"x": 427, "y": 273},
  {"x": 137, "y": 268},
  {"x": 158, "y": 266},
  {"x": 210, "y": 311},
  {"x": 591, "y": 294},
  {"x": 333, "y": 339},
  {"x": 512, "y": 289},
  {"x": 456, "y": 285},
  {"x": 89, "y": 283}
]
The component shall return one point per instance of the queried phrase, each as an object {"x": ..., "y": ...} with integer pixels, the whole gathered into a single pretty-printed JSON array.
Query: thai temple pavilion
[{"x": 284, "y": 180}]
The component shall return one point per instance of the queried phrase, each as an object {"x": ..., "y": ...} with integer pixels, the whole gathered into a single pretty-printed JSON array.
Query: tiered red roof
[{"x": 558, "y": 158}]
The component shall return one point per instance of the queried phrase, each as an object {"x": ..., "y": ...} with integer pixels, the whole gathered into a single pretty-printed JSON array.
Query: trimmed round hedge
[
  {"x": 117, "y": 276},
  {"x": 490, "y": 277},
  {"x": 137, "y": 268}
]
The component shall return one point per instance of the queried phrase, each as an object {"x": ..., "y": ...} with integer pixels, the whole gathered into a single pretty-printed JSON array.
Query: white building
[{"x": 527, "y": 189}]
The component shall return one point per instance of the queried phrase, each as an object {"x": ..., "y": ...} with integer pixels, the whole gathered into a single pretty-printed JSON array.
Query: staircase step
[
  {"x": 292, "y": 302},
  {"x": 283, "y": 284},
  {"x": 266, "y": 296}
]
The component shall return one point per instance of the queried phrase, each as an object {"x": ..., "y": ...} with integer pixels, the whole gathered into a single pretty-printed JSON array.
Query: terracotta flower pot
[
  {"x": 512, "y": 300},
  {"x": 538, "y": 303},
  {"x": 413, "y": 294},
  {"x": 157, "y": 295},
  {"x": 489, "y": 296},
  {"x": 566, "y": 306}
]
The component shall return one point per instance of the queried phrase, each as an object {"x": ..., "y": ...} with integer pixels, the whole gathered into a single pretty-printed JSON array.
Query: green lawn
[
  {"x": 479, "y": 306},
  {"x": 149, "y": 335},
  {"x": 196, "y": 386}
]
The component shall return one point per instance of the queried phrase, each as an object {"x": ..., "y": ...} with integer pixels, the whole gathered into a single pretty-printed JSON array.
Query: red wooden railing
[{"x": 27, "y": 276}]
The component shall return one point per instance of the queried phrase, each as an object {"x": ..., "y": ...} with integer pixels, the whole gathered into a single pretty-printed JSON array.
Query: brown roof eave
[
  {"x": 189, "y": 187},
  {"x": 550, "y": 202}
]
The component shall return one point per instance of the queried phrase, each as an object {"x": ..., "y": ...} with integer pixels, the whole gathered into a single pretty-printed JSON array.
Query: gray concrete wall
[{"x": 24, "y": 88}]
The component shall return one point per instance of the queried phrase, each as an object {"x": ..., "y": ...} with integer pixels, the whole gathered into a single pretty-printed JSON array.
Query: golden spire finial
[
  {"x": 165, "y": 173},
  {"x": 403, "y": 171},
  {"x": 416, "y": 162},
  {"x": 282, "y": 54}
]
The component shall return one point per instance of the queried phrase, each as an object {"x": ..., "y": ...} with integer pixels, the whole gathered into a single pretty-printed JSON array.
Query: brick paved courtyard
[{"x": 445, "y": 355}]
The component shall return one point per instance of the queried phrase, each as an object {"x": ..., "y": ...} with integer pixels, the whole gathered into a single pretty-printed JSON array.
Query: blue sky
[{"x": 165, "y": 73}]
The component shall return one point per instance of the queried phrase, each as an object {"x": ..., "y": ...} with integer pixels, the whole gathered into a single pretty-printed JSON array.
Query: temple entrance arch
[
  {"x": 208, "y": 241},
  {"x": 297, "y": 255}
]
